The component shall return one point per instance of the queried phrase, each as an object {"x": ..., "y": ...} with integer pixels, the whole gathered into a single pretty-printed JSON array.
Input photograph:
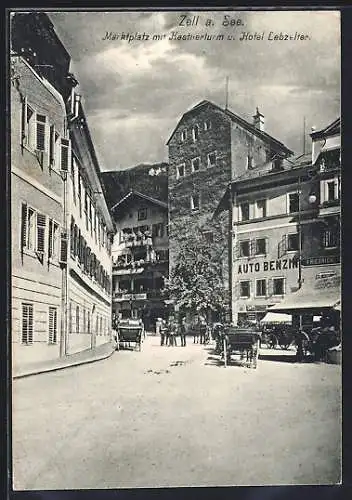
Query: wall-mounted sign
[
  {"x": 268, "y": 265},
  {"x": 319, "y": 261}
]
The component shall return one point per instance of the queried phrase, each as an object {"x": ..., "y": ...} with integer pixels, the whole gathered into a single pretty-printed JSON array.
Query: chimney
[{"x": 258, "y": 120}]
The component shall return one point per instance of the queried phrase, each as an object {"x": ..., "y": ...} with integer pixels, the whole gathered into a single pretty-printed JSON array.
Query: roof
[
  {"x": 244, "y": 123},
  {"x": 331, "y": 129},
  {"x": 142, "y": 196}
]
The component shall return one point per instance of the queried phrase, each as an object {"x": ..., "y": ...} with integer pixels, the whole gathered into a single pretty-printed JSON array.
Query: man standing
[{"x": 183, "y": 330}]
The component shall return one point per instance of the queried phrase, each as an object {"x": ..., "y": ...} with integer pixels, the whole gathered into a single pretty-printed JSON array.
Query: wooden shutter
[
  {"x": 27, "y": 323},
  {"x": 24, "y": 226},
  {"x": 63, "y": 248},
  {"x": 72, "y": 237},
  {"x": 41, "y": 125},
  {"x": 282, "y": 246},
  {"x": 24, "y": 130},
  {"x": 52, "y": 146},
  {"x": 50, "y": 239},
  {"x": 52, "y": 325},
  {"x": 65, "y": 145},
  {"x": 41, "y": 224}
]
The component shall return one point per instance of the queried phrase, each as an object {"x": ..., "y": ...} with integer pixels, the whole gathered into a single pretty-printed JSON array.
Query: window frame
[
  {"x": 195, "y": 135},
  {"x": 240, "y": 290},
  {"x": 184, "y": 135},
  {"x": 295, "y": 193},
  {"x": 256, "y": 287},
  {"x": 257, "y": 215},
  {"x": 241, "y": 211},
  {"x": 193, "y": 207},
  {"x": 30, "y": 321},
  {"x": 52, "y": 336},
  {"x": 241, "y": 255},
  {"x": 207, "y": 125},
  {"x": 330, "y": 230},
  {"x": 178, "y": 175},
  {"x": 197, "y": 158},
  {"x": 209, "y": 164},
  {"x": 288, "y": 249},
  {"x": 256, "y": 253},
  {"x": 276, "y": 278}
]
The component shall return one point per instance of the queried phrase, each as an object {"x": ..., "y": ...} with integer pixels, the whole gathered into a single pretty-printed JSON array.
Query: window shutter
[
  {"x": 41, "y": 224},
  {"x": 52, "y": 325},
  {"x": 41, "y": 124},
  {"x": 24, "y": 120},
  {"x": 72, "y": 237},
  {"x": 52, "y": 146},
  {"x": 24, "y": 226},
  {"x": 50, "y": 238},
  {"x": 65, "y": 145},
  {"x": 270, "y": 287},
  {"x": 63, "y": 248},
  {"x": 27, "y": 323},
  {"x": 252, "y": 248},
  {"x": 282, "y": 246}
]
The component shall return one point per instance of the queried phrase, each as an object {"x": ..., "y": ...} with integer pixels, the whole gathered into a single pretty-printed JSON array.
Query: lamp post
[{"x": 311, "y": 199}]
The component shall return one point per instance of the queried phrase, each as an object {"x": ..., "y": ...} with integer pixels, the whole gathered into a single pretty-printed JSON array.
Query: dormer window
[
  {"x": 184, "y": 135},
  {"x": 195, "y": 133},
  {"x": 207, "y": 125},
  {"x": 195, "y": 202}
]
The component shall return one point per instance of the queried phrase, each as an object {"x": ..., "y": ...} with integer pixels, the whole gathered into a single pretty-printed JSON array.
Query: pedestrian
[
  {"x": 172, "y": 331},
  {"x": 158, "y": 324},
  {"x": 183, "y": 331},
  {"x": 163, "y": 332},
  {"x": 202, "y": 329},
  {"x": 301, "y": 338}
]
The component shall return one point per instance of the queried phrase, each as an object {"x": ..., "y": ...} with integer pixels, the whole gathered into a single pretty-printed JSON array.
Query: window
[
  {"x": 30, "y": 241},
  {"x": 41, "y": 225},
  {"x": 184, "y": 135},
  {"x": 331, "y": 237},
  {"x": 142, "y": 214},
  {"x": 245, "y": 289},
  {"x": 77, "y": 319},
  {"x": 52, "y": 325},
  {"x": 53, "y": 243},
  {"x": 52, "y": 145},
  {"x": 79, "y": 185},
  {"x": 180, "y": 171},
  {"x": 260, "y": 208},
  {"x": 28, "y": 125},
  {"x": 207, "y": 125},
  {"x": 261, "y": 288},
  {"x": 244, "y": 248},
  {"x": 84, "y": 320},
  {"x": 158, "y": 230},
  {"x": 212, "y": 159},
  {"x": 209, "y": 236},
  {"x": 293, "y": 202},
  {"x": 244, "y": 211},
  {"x": 27, "y": 324},
  {"x": 40, "y": 135},
  {"x": 331, "y": 190},
  {"x": 292, "y": 242},
  {"x": 195, "y": 133},
  {"x": 195, "y": 164},
  {"x": 195, "y": 202},
  {"x": 260, "y": 246},
  {"x": 249, "y": 161},
  {"x": 73, "y": 180},
  {"x": 278, "y": 286}
]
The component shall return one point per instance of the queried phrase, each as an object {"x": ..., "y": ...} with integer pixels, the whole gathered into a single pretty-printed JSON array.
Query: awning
[
  {"x": 309, "y": 298},
  {"x": 281, "y": 318}
]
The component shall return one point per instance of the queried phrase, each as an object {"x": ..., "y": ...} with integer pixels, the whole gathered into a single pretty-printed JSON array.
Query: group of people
[{"x": 172, "y": 328}]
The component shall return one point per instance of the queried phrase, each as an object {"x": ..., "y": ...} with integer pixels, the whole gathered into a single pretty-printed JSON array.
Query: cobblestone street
[{"x": 172, "y": 416}]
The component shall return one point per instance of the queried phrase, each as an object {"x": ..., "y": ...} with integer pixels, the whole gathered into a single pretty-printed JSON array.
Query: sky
[{"x": 135, "y": 91}]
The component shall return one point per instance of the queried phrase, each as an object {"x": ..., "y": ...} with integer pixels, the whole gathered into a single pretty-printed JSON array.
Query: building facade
[
  {"x": 285, "y": 236},
  {"x": 37, "y": 108},
  {"x": 90, "y": 228},
  {"x": 140, "y": 257},
  {"x": 210, "y": 147},
  {"x": 45, "y": 150}
]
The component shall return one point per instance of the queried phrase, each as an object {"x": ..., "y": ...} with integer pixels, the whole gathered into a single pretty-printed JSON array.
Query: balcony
[{"x": 127, "y": 296}]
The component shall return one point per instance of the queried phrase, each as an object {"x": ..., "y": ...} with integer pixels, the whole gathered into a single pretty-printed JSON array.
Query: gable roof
[
  {"x": 331, "y": 129},
  {"x": 137, "y": 194},
  {"x": 241, "y": 121}
]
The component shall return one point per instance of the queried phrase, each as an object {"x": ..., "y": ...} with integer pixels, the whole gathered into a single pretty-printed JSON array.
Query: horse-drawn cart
[
  {"x": 242, "y": 342},
  {"x": 130, "y": 332}
]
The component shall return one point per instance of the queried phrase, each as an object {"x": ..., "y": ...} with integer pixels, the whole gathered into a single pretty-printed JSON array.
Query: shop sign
[
  {"x": 268, "y": 265},
  {"x": 320, "y": 261}
]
